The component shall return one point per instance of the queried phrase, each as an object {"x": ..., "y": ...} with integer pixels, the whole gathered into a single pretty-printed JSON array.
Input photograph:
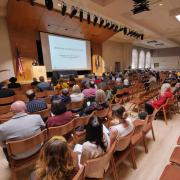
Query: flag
[{"x": 19, "y": 66}]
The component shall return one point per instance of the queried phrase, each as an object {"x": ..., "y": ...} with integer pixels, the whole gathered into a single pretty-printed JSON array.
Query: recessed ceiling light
[
  {"x": 178, "y": 17},
  {"x": 161, "y": 4}
]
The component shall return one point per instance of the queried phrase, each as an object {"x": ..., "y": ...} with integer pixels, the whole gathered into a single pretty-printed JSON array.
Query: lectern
[{"x": 38, "y": 71}]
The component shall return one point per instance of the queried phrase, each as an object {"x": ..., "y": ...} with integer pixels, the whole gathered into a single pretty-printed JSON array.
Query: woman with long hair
[
  {"x": 121, "y": 124},
  {"x": 56, "y": 161}
]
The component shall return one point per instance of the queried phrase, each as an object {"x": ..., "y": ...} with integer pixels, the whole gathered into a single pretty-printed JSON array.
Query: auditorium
[{"x": 90, "y": 89}]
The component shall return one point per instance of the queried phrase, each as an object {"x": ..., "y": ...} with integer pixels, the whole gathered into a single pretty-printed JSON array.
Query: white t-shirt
[{"x": 124, "y": 131}]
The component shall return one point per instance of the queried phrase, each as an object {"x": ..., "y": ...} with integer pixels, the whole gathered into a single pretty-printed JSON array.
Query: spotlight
[
  {"x": 88, "y": 18},
  {"x": 73, "y": 12},
  {"x": 49, "y": 4},
  {"x": 142, "y": 36},
  {"x": 107, "y": 24},
  {"x": 63, "y": 9},
  {"x": 81, "y": 15},
  {"x": 116, "y": 28},
  {"x": 101, "y": 22},
  {"x": 112, "y": 26},
  {"x": 125, "y": 30},
  {"x": 120, "y": 29},
  {"x": 95, "y": 20}
]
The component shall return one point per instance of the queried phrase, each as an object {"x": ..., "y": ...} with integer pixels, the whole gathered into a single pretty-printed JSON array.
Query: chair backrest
[
  {"x": 123, "y": 142},
  {"x": 80, "y": 121},
  {"x": 41, "y": 94},
  {"x": 75, "y": 105},
  {"x": 22, "y": 146},
  {"x": 99, "y": 164},
  {"x": 7, "y": 100},
  {"x": 101, "y": 113},
  {"x": 145, "y": 122},
  {"x": 20, "y": 97},
  {"x": 80, "y": 174},
  {"x": 44, "y": 113},
  {"x": 5, "y": 109},
  {"x": 61, "y": 130}
]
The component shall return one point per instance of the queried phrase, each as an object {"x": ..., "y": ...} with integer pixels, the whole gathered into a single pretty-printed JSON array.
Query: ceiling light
[
  {"x": 73, "y": 12},
  {"x": 178, "y": 17},
  {"x": 88, "y": 18},
  {"x": 161, "y": 4},
  {"x": 101, "y": 22},
  {"x": 95, "y": 20},
  {"x": 81, "y": 15},
  {"x": 107, "y": 24},
  {"x": 49, "y": 4},
  {"x": 63, "y": 9}
]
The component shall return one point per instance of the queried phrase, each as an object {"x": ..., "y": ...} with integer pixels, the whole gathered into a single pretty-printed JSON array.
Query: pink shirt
[{"x": 89, "y": 92}]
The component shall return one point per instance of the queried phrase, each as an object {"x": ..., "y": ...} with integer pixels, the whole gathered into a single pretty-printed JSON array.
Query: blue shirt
[
  {"x": 35, "y": 105},
  {"x": 44, "y": 86}
]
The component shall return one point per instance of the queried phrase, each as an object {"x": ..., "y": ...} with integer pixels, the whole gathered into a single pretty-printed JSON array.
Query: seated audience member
[
  {"x": 61, "y": 85},
  {"x": 177, "y": 87},
  {"x": 56, "y": 161},
  {"x": 122, "y": 124},
  {"x": 53, "y": 82},
  {"x": 35, "y": 82},
  {"x": 85, "y": 81},
  {"x": 72, "y": 81},
  {"x": 98, "y": 80},
  {"x": 34, "y": 105},
  {"x": 13, "y": 84},
  {"x": 76, "y": 95},
  {"x": 64, "y": 97},
  {"x": 126, "y": 82},
  {"x": 99, "y": 104},
  {"x": 152, "y": 79},
  {"x": 118, "y": 86},
  {"x": 5, "y": 92},
  {"x": 21, "y": 126},
  {"x": 90, "y": 90},
  {"x": 164, "y": 95},
  {"x": 96, "y": 144},
  {"x": 60, "y": 115},
  {"x": 42, "y": 86}
]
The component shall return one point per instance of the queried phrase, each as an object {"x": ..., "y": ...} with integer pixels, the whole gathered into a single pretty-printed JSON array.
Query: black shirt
[{"x": 6, "y": 93}]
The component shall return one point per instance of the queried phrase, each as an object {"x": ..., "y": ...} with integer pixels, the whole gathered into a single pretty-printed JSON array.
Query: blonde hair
[
  {"x": 164, "y": 88},
  {"x": 100, "y": 96},
  {"x": 76, "y": 89},
  {"x": 55, "y": 161}
]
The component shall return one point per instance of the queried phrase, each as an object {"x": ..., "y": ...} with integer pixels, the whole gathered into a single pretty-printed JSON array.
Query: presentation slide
[{"x": 62, "y": 53}]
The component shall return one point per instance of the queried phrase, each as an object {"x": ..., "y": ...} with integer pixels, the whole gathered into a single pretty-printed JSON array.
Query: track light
[
  {"x": 112, "y": 26},
  {"x": 125, "y": 30},
  {"x": 95, "y": 20},
  {"x": 81, "y": 15},
  {"x": 107, "y": 24},
  {"x": 120, "y": 29},
  {"x": 63, "y": 9},
  {"x": 101, "y": 22},
  {"x": 116, "y": 28},
  {"x": 142, "y": 36},
  {"x": 88, "y": 18},
  {"x": 49, "y": 4},
  {"x": 73, "y": 12}
]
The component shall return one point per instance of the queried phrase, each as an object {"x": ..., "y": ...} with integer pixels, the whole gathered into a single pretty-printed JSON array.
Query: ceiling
[{"x": 157, "y": 24}]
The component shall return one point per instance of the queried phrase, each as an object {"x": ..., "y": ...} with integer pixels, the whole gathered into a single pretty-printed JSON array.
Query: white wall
[
  {"x": 168, "y": 59},
  {"x": 116, "y": 52},
  {"x": 6, "y": 62}
]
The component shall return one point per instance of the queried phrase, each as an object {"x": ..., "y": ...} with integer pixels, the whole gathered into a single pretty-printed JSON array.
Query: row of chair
[
  {"x": 172, "y": 171},
  {"x": 126, "y": 145}
]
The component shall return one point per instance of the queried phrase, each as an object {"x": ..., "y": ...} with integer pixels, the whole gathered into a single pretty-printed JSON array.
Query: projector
[{"x": 140, "y": 6}]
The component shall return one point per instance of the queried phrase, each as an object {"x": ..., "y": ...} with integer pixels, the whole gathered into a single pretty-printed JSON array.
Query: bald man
[{"x": 21, "y": 126}]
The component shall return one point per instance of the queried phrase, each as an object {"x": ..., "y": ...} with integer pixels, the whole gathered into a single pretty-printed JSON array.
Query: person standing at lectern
[{"x": 35, "y": 63}]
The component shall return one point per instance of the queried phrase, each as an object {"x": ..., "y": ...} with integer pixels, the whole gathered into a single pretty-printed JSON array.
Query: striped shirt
[{"x": 35, "y": 105}]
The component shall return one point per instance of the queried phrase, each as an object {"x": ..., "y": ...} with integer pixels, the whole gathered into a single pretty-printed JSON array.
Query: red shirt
[
  {"x": 161, "y": 100},
  {"x": 60, "y": 120}
]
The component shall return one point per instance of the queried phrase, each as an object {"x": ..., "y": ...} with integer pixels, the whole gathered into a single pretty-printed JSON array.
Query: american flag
[
  {"x": 97, "y": 62},
  {"x": 19, "y": 65}
]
